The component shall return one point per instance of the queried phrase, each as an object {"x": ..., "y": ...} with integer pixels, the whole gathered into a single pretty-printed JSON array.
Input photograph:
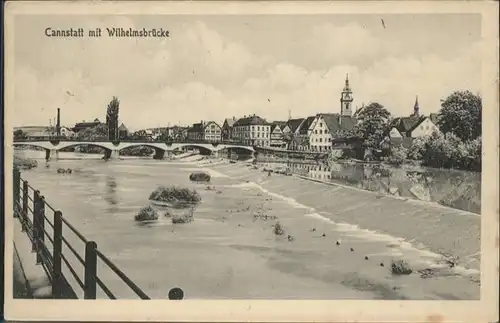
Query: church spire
[
  {"x": 346, "y": 99},
  {"x": 416, "y": 108},
  {"x": 346, "y": 86}
]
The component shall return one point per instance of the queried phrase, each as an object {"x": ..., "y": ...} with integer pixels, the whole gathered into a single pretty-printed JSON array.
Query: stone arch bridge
[{"x": 112, "y": 149}]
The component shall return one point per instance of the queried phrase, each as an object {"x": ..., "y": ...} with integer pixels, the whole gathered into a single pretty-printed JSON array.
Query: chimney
[{"x": 58, "y": 125}]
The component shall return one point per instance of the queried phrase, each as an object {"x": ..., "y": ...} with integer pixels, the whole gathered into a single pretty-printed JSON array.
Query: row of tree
[{"x": 457, "y": 145}]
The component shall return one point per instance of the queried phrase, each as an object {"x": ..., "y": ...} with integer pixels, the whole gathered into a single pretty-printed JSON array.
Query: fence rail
[{"x": 31, "y": 209}]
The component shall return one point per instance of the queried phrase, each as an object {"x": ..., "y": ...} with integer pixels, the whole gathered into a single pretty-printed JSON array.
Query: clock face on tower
[{"x": 347, "y": 96}]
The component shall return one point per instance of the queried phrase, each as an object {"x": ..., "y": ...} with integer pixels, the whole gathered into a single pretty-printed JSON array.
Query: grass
[
  {"x": 147, "y": 213},
  {"x": 200, "y": 177},
  {"x": 400, "y": 267},
  {"x": 176, "y": 196}
]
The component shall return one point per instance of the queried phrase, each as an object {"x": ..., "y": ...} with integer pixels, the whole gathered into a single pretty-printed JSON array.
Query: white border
[{"x": 279, "y": 310}]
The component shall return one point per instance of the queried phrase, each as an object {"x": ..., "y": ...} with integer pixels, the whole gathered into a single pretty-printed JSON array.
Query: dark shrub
[
  {"x": 278, "y": 229},
  {"x": 400, "y": 267},
  {"x": 200, "y": 177},
  {"x": 147, "y": 213},
  {"x": 175, "y": 196}
]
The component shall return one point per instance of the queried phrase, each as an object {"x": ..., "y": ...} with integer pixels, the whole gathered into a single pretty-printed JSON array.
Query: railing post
[
  {"x": 57, "y": 252},
  {"x": 25, "y": 206},
  {"x": 36, "y": 205},
  {"x": 90, "y": 270},
  {"x": 41, "y": 230},
  {"x": 16, "y": 176}
]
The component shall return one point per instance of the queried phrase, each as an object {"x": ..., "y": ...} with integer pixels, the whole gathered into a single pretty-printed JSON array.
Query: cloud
[{"x": 200, "y": 74}]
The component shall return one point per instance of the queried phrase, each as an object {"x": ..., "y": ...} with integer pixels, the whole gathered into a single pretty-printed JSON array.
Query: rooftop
[{"x": 253, "y": 120}]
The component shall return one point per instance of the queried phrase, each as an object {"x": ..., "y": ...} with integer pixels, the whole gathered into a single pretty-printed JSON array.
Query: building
[
  {"x": 212, "y": 131},
  {"x": 227, "y": 128},
  {"x": 205, "y": 131},
  {"x": 296, "y": 132},
  {"x": 276, "y": 138},
  {"x": 252, "y": 130},
  {"x": 177, "y": 132},
  {"x": 304, "y": 133},
  {"x": 86, "y": 125},
  {"x": 414, "y": 126},
  {"x": 66, "y": 132},
  {"x": 123, "y": 131},
  {"x": 327, "y": 126}
]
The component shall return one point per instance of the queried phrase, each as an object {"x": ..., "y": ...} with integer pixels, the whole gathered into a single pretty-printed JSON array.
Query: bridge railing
[{"x": 33, "y": 213}]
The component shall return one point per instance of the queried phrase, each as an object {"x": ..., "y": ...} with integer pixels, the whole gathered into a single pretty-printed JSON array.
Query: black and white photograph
[{"x": 251, "y": 155}]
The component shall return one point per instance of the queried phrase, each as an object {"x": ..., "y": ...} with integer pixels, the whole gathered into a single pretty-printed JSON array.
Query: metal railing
[{"x": 32, "y": 211}]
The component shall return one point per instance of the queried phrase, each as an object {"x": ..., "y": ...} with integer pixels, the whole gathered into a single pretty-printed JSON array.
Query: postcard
[{"x": 252, "y": 161}]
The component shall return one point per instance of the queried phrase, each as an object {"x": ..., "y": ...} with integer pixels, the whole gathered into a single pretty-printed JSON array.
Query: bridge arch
[
  {"x": 155, "y": 146},
  {"x": 76, "y": 144},
  {"x": 43, "y": 145},
  {"x": 205, "y": 149}
]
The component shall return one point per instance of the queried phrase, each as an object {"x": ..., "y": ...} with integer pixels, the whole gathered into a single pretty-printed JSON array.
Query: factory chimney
[{"x": 58, "y": 125}]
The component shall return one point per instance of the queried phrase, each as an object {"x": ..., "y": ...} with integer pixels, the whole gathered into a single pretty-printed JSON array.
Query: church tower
[
  {"x": 416, "y": 108},
  {"x": 346, "y": 99}
]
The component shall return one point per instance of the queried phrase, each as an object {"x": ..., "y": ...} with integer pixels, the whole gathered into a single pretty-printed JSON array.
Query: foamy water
[{"x": 403, "y": 249}]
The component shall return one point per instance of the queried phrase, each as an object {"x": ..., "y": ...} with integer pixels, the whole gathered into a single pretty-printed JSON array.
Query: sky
[{"x": 215, "y": 67}]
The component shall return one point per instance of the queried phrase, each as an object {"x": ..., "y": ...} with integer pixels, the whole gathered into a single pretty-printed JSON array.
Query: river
[{"x": 337, "y": 251}]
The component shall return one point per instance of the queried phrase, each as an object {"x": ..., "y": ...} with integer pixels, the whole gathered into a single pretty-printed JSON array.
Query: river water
[{"x": 338, "y": 251}]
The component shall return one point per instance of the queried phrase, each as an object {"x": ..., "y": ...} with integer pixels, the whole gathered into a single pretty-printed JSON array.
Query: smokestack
[{"x": 58, "y": 125}]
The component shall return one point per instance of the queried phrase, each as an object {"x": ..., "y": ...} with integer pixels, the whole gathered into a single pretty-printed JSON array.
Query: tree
[
  {"x": 112, "y": 118},
  {"x": 99, "y": 132},
  {"x": 460, "y": 114},
  {"x": 19, "y": 134},
  {"x": 374, "y": 123}
]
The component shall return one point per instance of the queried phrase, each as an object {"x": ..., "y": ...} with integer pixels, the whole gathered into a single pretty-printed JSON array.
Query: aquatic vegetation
[
  {"x": 400, "y": 267},
  {"x": 175, "y": 196},
  {"x": 183, "y": 218},
  {"x": 147, "y": 213},
  {"x": 200, "y": 177}
]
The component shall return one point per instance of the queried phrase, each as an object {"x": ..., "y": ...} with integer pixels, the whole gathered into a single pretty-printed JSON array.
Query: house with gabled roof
[
  {"x": 205, "y": 131},
  {"x": 123, "y": 131},
  {"x": 416, "y": 125},
  {"x": 325, "y": 127},
  {"x": 277, "y": 139},
  {"x": 227, "y": 127}
]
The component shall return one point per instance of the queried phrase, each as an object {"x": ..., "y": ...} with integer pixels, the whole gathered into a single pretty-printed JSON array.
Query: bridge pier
[
  {"x": 159, "y": 154},
  {"x": 51, "y": 154},
  {"x": 112, "y": 154}
]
